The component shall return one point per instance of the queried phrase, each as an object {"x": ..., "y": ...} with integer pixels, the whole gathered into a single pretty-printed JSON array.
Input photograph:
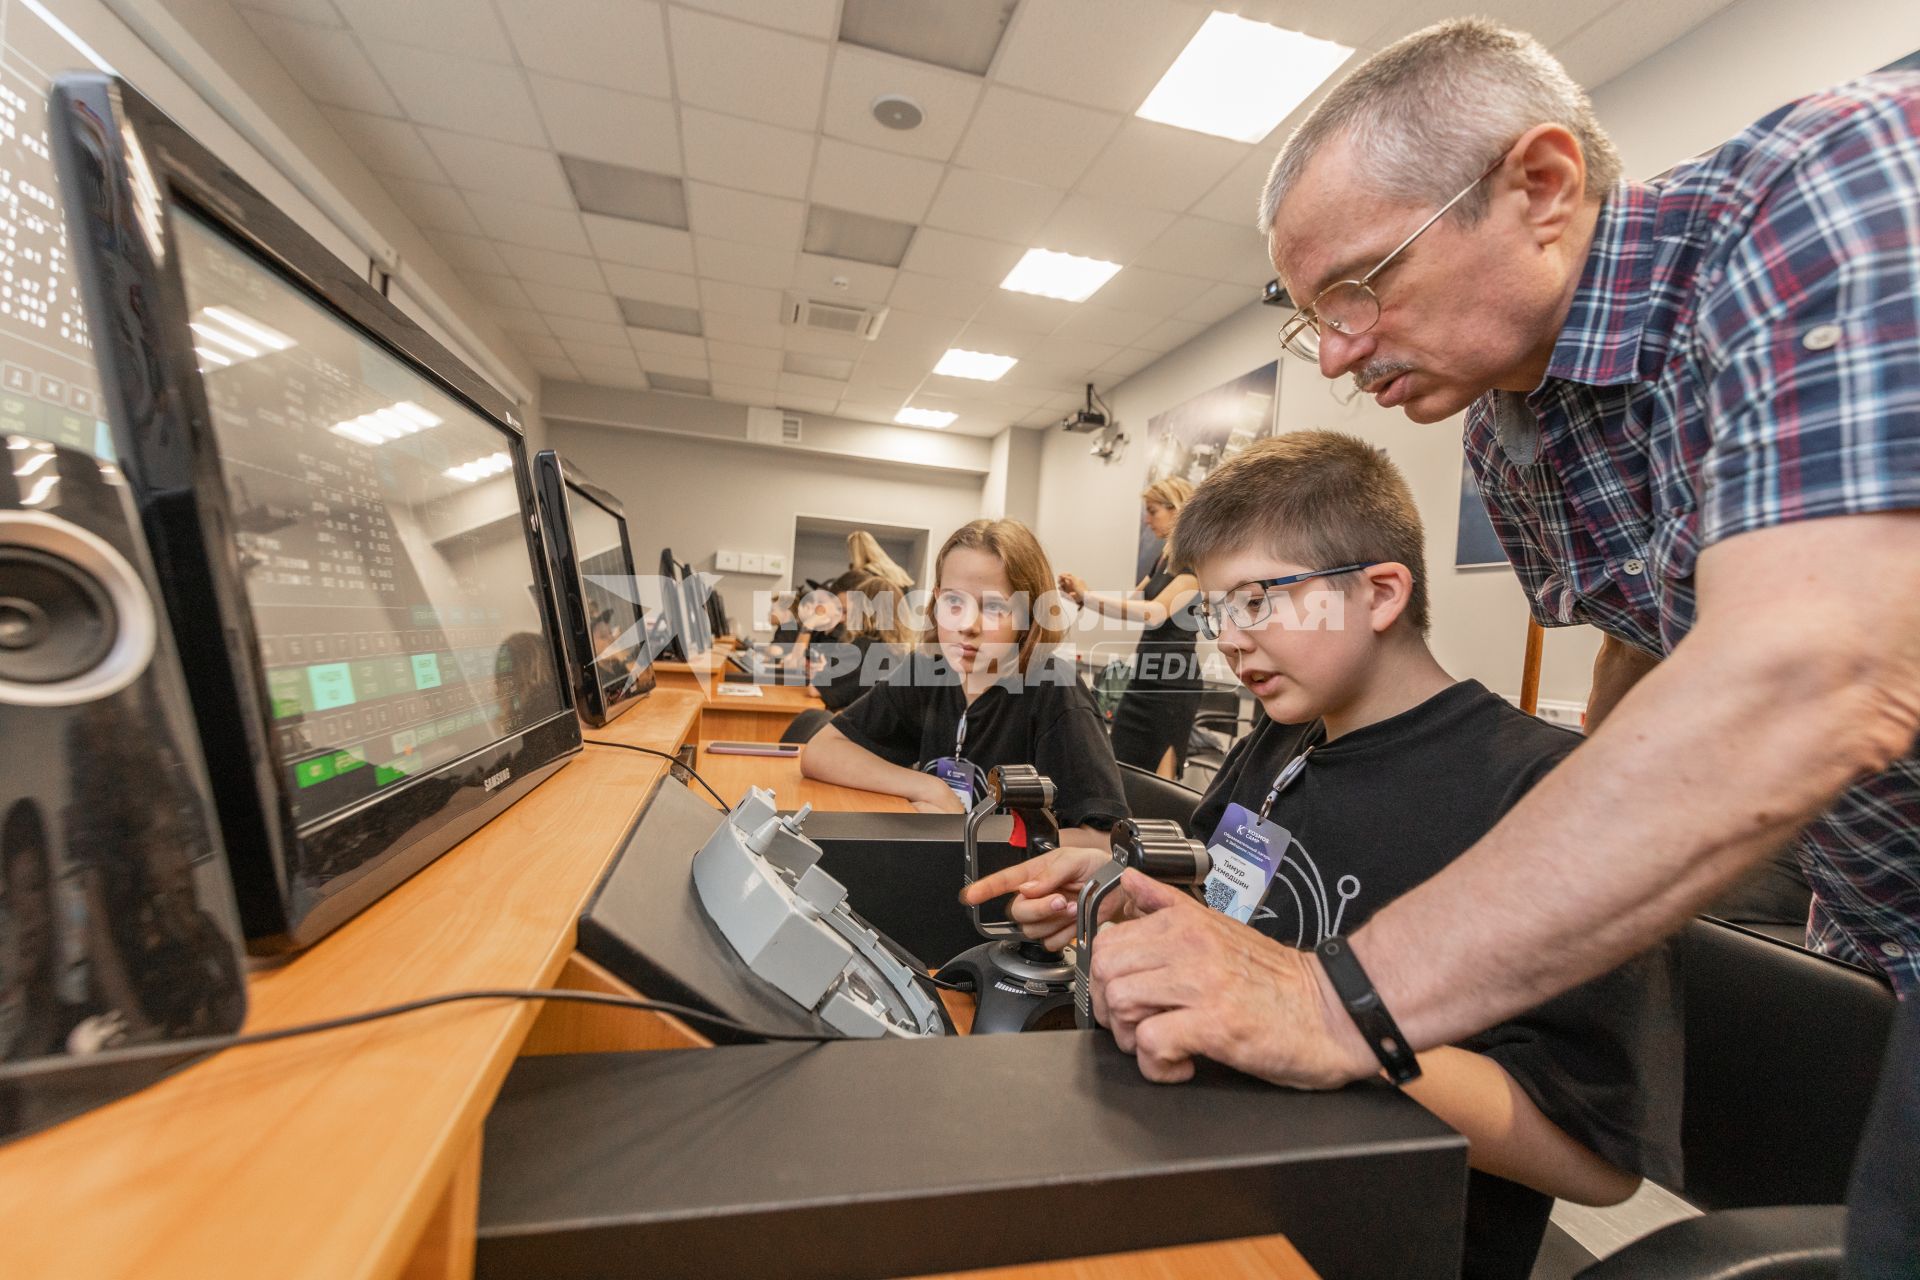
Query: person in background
[
  {"x": 865, "y": 557},
  {"x": 1155, "y": 716},
  {"x": 879, "y": 638},
  {"x": 991, "y": 692}
]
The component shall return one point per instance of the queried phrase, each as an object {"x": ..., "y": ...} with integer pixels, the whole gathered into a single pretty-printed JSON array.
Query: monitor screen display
[
  {"x": 380, "y": 532},
  {"x": 606, "y": 576}
]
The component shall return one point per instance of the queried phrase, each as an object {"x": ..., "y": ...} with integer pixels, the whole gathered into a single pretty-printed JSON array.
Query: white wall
[{"x": 698, "y": 496}]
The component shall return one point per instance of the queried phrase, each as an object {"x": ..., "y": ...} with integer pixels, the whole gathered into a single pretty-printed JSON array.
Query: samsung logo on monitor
[{"x": 498, "y": 778}]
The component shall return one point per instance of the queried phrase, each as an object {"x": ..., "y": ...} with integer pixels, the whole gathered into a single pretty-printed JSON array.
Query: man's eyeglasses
[
  {"x": 1250, "y": 610},
  {"x": 1351, "y": 307}
]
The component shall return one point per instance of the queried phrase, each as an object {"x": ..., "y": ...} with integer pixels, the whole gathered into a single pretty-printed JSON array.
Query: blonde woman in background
[
  {"x": 1155, "y": 716},
  {"x": 865, "y": 557}
]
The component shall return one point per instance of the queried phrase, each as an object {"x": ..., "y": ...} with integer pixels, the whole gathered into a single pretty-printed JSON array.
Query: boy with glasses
[{"x": 1371, "y": 771}]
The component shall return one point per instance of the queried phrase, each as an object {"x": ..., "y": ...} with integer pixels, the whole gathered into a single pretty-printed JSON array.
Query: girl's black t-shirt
[
  {"x": 1382, "y": 809},
  {"x": 1045, "y": 718}
]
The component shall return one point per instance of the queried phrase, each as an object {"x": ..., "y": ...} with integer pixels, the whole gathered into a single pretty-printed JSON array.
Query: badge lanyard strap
[{"x": 1284, "y": 779}]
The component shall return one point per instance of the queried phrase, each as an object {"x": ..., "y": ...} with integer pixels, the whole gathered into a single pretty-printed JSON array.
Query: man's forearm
[{"x": 1720, "y": 755}]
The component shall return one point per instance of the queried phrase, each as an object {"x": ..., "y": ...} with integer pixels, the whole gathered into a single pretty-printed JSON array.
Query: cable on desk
[
  {"x": 942, "y": 984},
  {"x": 664, "y": 755},
  {"x": 214, "y": 1044}
]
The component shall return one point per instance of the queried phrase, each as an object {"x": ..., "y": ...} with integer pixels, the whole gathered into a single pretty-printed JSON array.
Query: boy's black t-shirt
[
  {"x": 1046, "y": 719},
  {"x": 1379, "y": 810}
]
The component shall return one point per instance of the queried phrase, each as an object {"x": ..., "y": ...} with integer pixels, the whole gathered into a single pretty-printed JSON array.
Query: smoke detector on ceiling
[{"x": 896, "y": 112}]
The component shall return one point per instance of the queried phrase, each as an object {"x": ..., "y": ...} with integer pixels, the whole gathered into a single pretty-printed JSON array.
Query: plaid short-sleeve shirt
[{"x": 1743, "y": 351}]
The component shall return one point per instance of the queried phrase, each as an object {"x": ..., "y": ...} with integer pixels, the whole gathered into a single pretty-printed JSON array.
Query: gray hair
[{"x": 1431, "y": 110}]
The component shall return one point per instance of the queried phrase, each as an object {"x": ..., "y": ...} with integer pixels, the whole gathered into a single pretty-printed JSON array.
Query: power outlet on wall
[
  {"x": 726, "y": 562},
  {"x": 774, "y": 564},
  {"x": 750, "y": 563}
]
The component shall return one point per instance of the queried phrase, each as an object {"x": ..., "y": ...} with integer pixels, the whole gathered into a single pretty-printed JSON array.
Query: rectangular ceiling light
[
  {"x": 678, "y": 385},
  {"x": 974, "y": 364},
  {"x": 660, "y": 315},
  {"x": 857, "y": 237},
  {"x": 1238, "y": 78},
  {"x": 812, "y": 366},
  {"x": 622, "y": 192},
  {"x": 912, "y": 417},
  {"x": 1059, "y": 275},
  {"x": 960, "y": 34}
]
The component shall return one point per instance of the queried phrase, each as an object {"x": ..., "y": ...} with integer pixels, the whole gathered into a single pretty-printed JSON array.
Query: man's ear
[
  {"x": 1547, "y": 168},
  {"x": 1389, "y": 590}
]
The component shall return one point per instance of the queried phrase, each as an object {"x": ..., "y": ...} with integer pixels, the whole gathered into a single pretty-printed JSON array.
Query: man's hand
[
  {"x": 1048, "y": 889},
  {"x": 1181, "y": 982}
]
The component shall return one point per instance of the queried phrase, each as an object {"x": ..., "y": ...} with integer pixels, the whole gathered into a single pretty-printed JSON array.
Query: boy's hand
[
  {"x": 1048, "y": 889},
  {"x": 1179, "y": 981}
]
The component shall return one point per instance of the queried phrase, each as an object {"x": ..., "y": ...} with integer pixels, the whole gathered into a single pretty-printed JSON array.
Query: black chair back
[{"x": 1148, "y": 795}]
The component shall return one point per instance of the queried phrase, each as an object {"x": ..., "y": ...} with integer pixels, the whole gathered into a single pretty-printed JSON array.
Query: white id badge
[
  {"x": 958, "y": 775},
  {"x": 1246, "y": 850}
]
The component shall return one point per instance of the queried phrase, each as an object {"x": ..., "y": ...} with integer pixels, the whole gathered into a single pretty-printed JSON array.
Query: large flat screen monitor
[
  {"x": 341, "y": 513},
  {"x": 592, "y": 564},
  {"x": 687, "y": 636}
]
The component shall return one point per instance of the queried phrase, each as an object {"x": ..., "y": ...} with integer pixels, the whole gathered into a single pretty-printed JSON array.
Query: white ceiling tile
[
  {"x": 1128, "y": 363},
  {"x": 801, "y": 385},
  {"x": 734, "y": 393},
  {"x": 462, "y": 94},
  {"x": 1039, "y": 140},
  {"x": 949, "y": 255},
  {"x": 1160, "y": 166},
  {"x": 318, "y": 12},
  {"x": 1104, "y": 229},
  {"x": 1154, "y": 292},
  {"x": 327, "y": 63},
  {"x": 1236, "y": 197},
  {"x": 1342, "y": 21},
  {"x": 1199, "y": 247},
  {"x": 539, "y": 346},
  {"x": 957, "y": 299},
  {"x": 1546, "y": 20},
  {"x": 617, "y": 43},
  {"x": 385, "y": 146},
  {"x": 502, "y": 169},
  {"x": 745, "y": 70},
  {"x": 742, "y": 329},
  {"x": 745, "y": 375},
  {"x": 808, "y": 404},
  {"x": 838, "y": 346},
  {"x": 599, "y": 375},
  {"x": 580, "y": 304},
  {"x": 1218, "y": 302},
  {"x": 677, "y": 366},
  {"x": 449, "y": 26},
  {"x": 501, "y": 291},
  {"x": 1075, "y": 352},
  {"x": 1039, "y": 419},
  {"x": 1046, "y": 377},
  {"x": 750, "y": 301},
  {"x": 819, "y": 18},
  {"x": 646, "y": 285},
  {"x": 835, "y": 279},
  {"x": 639, "y": 244},
  {"x": 746, "y": 154},
  {"x": 986, "y": 204},
  {"x": 469, "y": 253},
  {"x": 915, "y": 330},
  {"x": 545, "y": 267},
  {"x": 944, "y": 97},
  {"x": 613, "y": 356},
  {"x": 734, "y": 353},
  {"x": 432, "y": 206},
  {"x": 561, "y": 370},
  {"x": 602, "y": 124},
  {"x": 655, "y": 342},
  {"x": 574, "y": 329},
  {"x": 1098, "y": 324},
  {"x": 741, "y": 263},
  {"x": 1626, "y": 33},
  {"x": 517, "y": 222},
  {"x": 1104, "y": 53},
  {"x": 995, "y": 340},
  {"x": 519, "y": 321},
  {"x": 1027, "y": 312},
  {"x": 879, "y": 183},
  {"x": 1169, "y": 334},
  {"x": 861, "y": 412},
  {"x": 726, "y": 214}
]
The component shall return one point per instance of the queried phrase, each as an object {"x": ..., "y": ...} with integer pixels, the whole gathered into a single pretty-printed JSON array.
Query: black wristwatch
[{"x": 1369, "y": 1014}]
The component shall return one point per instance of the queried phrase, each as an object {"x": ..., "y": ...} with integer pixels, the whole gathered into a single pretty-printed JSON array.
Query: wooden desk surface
[
  {"x": 328, "y": 1156},
  {"x": 1249, "y": 1258},
  {"x": 731, "y": 775}
]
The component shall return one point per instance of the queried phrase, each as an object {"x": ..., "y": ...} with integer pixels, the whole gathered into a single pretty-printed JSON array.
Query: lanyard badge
[
  {"x": 961, "y": 775},
  {"x": 1247, "y": 849}
]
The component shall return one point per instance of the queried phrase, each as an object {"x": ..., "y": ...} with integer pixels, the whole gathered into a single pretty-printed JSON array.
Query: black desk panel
[{"x": 899, "y": 1157}]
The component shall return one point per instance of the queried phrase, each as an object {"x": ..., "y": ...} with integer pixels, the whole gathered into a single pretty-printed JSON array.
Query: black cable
[
  {"x": 664, "y": 755},
  {"x": 942, "y": 983},
  {"x": 214, "y": 1044}
]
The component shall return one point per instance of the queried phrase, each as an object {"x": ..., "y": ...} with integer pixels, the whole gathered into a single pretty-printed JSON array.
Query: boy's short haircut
[{"x": 1315, "y": 498}]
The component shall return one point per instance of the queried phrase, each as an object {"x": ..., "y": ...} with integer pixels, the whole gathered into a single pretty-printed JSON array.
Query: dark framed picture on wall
[
  {"x": 1196, "y": 436},
  {"x": 1475, "y": 546}
]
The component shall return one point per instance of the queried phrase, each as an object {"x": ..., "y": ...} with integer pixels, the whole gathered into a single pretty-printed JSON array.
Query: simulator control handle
[{"x": 1156, "y": 848}]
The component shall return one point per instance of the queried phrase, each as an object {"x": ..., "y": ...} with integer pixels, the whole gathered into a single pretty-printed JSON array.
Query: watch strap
[{"x": 1368, "y": 1011}]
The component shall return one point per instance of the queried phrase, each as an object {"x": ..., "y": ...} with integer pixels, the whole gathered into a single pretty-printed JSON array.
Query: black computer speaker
[{"x": 117, "y": 922}]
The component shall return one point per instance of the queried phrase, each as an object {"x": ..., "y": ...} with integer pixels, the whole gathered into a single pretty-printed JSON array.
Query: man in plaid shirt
[{"x": 1694, "y": 410}]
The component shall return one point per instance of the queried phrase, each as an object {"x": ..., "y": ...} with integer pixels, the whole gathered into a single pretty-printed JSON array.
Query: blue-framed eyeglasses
[{"x": 1252, "y": 609}]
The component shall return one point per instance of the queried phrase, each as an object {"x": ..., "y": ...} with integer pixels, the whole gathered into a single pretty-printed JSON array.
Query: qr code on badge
[{"x": 1219, "y": 895}]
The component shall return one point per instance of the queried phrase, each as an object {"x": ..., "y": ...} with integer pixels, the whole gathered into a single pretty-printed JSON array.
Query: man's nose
[{"x": 1340, "y": 352}]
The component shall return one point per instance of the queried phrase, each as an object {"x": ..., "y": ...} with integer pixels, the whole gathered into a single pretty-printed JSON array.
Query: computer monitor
[
  {"x": 717, "y": 618},
  {"x": 687, "y": 637},
  {"x": 699, "y": 614},
  {"x": 342, "y": 515},
  {"x": 592, "y": 566}
]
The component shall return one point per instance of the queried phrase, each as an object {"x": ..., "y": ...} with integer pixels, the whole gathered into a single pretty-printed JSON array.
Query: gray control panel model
[{"x": 791, "y": 925}]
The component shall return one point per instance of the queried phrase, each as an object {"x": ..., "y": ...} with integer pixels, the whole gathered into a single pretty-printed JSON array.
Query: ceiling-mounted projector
[{"x": 1089, "y": 418}]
